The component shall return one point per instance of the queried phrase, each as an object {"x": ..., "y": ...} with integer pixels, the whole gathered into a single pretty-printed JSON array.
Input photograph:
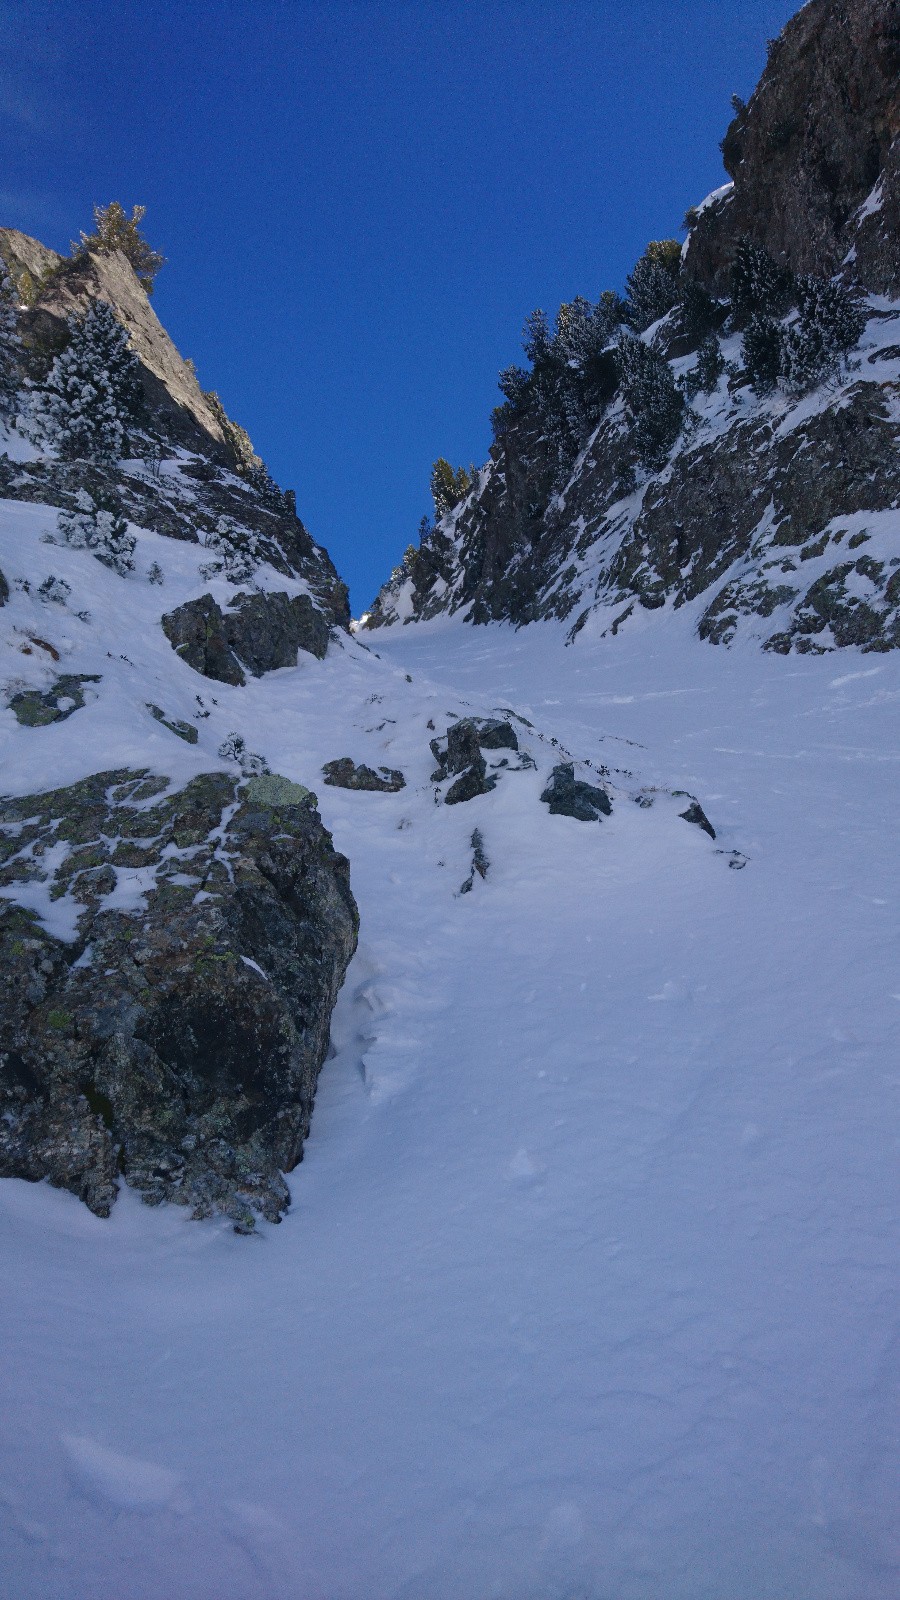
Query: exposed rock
[
  {"x": 480, "y": 863},
  {"x": 184, "y": 730},
  {"x": 464, "y": 741},
  {"x": 469, "y": 785},
  {"x": 265, "y": 631},
  {"x": 187, "y": 506},
  {"x": 260, "y": 633},
  {"x": 816, "y": 163},
  {"x": 567, "y": 796},
  {"x": 177, "y": 1042},
  {"x": 696, "y": 814},
  {"x": 35, "y": 708},
  {"x": 494, "y": 734},
  {"x": 196, "y": 631},
  {"x": 172, "y": 393},
  {"x": 4, "y": 590},
  {"x": 345, "y": 774},
  {"x": 815, "y": 154}
]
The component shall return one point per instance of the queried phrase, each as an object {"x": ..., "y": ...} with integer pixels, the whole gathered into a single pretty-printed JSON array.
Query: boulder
[
  {"x": 344, "y": 774},
  {"x": 260, "y": 633},
  {"x": 167, "y": 1018},
  {"x": 35, "y": 708},
  {"x": 183, "y": 730},
  {"x": 196, "y": 631},
  {"x": 695, "y": 814},
  {"x": 265, "y": 631},
  {"x": 566, "y": 796}
]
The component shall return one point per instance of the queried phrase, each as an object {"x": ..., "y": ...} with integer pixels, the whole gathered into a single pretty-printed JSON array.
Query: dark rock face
[
  {"x": 196, "y": 631},
  {"x": 178, "y": 1044},
  {"x": 696, "y": 815},
  {"x": 815, "y": 154},
  {"x": 265, "y": 631},
  {"x": 34, "y": 708},
  {"x": 4, "y": 590},
  {"x": 748, "y": 493},
  {"x": 567, "y": 797},
  {"x": 260, "y": 633},
  {"x": 345, "y": 774},
  {"x": 460, "y": 752}
]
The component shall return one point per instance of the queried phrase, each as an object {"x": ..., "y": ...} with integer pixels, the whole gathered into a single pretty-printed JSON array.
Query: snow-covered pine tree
[
  {"x": 653, "y": 285},
  {"x": 710, "y": 365},
  {"x": 829, "y": 324},
  {"x": 763, "y": 352},
  {"x": 98, "y": 526},
  {"x": 10, "y": 347},
  {"x": 237, "y": 552},
  {"x": 91, "y": 392},
  {"x": 653, "y": 401},
  {"x": 759, "y": 286}
]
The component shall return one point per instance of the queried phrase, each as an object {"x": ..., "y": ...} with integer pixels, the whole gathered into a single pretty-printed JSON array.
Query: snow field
[{"x": 587, "y": 1288}]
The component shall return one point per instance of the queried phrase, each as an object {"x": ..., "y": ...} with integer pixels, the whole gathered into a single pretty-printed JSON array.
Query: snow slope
[{"x": 587, "y": 1290}]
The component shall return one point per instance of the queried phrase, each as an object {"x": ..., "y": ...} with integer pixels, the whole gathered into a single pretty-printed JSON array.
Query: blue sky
[{"x": 361, "y": 202}]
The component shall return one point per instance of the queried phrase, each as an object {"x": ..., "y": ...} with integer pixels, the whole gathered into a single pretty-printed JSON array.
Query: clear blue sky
[{"x": 360, "y": 202}]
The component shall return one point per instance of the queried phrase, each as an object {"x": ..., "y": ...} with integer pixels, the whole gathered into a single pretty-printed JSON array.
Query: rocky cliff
[
  {"x": 774, "y": 511},
  {"x": 174, "y": 926}
]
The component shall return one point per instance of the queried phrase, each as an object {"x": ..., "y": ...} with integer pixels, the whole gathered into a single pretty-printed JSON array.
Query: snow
[
  {"x": 587, "y": 1286},
  {"x": 873, "y": 201}
]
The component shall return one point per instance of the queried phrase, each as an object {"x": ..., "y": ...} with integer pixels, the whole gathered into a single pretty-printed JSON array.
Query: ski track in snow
[{"x": 588, "y": 1288}]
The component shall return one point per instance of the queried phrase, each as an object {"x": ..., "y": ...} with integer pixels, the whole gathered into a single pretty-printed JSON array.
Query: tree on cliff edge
[{"x": 113, "y": 230}]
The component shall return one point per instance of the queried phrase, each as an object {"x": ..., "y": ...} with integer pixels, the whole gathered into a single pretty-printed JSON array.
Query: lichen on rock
[{"x": 170, "y": 962}]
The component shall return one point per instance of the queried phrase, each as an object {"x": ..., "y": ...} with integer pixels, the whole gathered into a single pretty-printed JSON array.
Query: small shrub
[
  {"x": 234, "y": 748},
  {"x": 55, "y": 590},
  {"x": 98, "y": 526},
  {"x": 237, "y": 552}
]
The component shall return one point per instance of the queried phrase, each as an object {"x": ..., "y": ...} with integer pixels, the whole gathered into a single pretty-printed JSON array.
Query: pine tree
[
  {"x": 653, "y": 401},
  {"x": 653, "y": 285},
  {"x": 10, "y": 347},
  {"x": 701, "y": 313},
  {"x": 759, "y": 286},
  {"x": 763, "y": 353},
  {"x": 237, "y": 551},
  {"x": 99, "y": 526},
  {"x": 115, "y": 231},
  {"x": 91, "y": 391},
  {"x": 829, "y": 324},
  {"x": 710, "y": 366},
  {"x": 448, "y": 486}
]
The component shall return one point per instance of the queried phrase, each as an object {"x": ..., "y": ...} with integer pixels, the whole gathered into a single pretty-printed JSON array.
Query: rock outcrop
[
  {"x": 775, "y": 513},
  {"x": 345, "y": 774},
  {"x": 259, "y": 633},
  {"x": 814, "y": 156},
  {"x": 169, "y": 966},
  {"x": 171, "y": 391}
]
